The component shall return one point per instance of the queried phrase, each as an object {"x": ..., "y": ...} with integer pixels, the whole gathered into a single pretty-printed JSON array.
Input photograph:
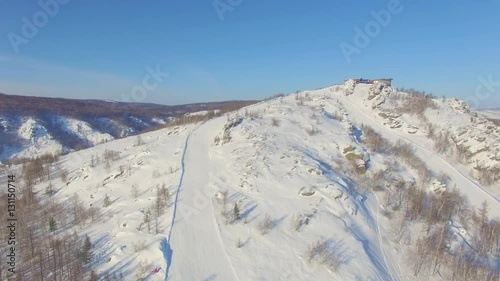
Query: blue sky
[{"x": 246, "y": 49}]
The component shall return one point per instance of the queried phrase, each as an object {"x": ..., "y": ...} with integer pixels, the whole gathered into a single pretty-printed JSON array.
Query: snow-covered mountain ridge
[
  {"x": 296, "y": 188},
  {"x": 446, "y": 126},
  {"x": 33, "y": 126}
]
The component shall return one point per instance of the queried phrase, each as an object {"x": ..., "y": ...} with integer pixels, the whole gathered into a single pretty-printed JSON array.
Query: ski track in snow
[
  {"x": 379, "y": 263},
  {"x": 195, "y": 240},
  {"x": 395, "y": 267},
  {"x": 165, "y": 244},
  {"x": 378, "y": 257}
]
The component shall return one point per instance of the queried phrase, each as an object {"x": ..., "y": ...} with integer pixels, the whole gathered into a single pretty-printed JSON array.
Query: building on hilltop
[{"x": 387, "y": 81}]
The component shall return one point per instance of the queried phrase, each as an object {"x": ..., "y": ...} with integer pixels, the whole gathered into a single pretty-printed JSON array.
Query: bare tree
[
  {"x": 139, "y": 141},
  {"x": 165, "y": 193},
  {"x": 265, "y": 225},
  {"x": 327, "y": 253},
  {"x": 374, "y": 141},
  {"x": 135, "y": 191},
  {"x": 147, "y": 219},
  {"x": 77, "y": 209},
  {"x": 275, "y": 122}
]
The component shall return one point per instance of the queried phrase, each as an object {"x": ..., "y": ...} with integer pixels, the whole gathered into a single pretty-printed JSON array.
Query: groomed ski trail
[{"x": 197, "y": 252}]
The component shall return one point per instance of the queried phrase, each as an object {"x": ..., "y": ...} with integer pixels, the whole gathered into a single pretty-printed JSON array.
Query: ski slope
[
  {"x": 283, "y": 159},
  {"x": 197, "y": 250}
]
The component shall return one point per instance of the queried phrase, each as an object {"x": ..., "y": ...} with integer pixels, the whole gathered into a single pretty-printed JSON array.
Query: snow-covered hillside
[
  {"x": 464, "y": 138},
  {"x": 286, "y": 189},
  {"x": 34, "y": 126},
  {"x": 29, "y": 137}
]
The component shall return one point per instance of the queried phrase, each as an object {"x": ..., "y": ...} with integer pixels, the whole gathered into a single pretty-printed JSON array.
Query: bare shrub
[
  {"x": 377, "y": 180},
  {"x": 135, "y": 191},
  {"x": 164, "y": 192},
  {"x": 443, "y": 178},
  {"x": 442, "y": 142},
  {"x": 63, "y": 175},
  {"x": 275, "y": 122},
  {"x": 465, "y": 266},
  {"x": 405, "y": 151},
  {"x": 111, "y": 155},
  {"x": 224, "y": 196},
  {"x": 156, "y": 174},
  {"x": 147, "y": 220},
  {"x": 226, "y": 215},
  {"x": 236, "y": 213},
  {"x": 252, "y": 114},
  {"x": 49, "y": 190},
  {"x": 139, "y": 246},
  {"x": 265, "y": 225},
  {"x": 327, "y": 253},
  {"x": 419, "y": 256},
  {"x": 93, "y": 213},
  {"x": 379, "y": 175},
  {"x": 107, "y": 166},
  {"x": 139, "y": 141},
  {"x": 374, "y": 141},
  {"x": 415, "y": 199},
  {"x": 143, "y": 269},
  {"x": 433, "y": 208},
  {"x": 488, "y": 176},
  {"x": 338, "y": 117},
  {"x": 312, "y": 131},
  {"x": 296, "y": 222},
  {"x": 276, "y": 96},
  {"x": 416, "y": 102},
  {"x": 431, "y": 130}
]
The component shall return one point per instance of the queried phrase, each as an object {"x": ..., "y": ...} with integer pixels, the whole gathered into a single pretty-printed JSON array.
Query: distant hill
[
  {"x": 35, "y": 125},
  {"x": 493, "y": 114}
]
